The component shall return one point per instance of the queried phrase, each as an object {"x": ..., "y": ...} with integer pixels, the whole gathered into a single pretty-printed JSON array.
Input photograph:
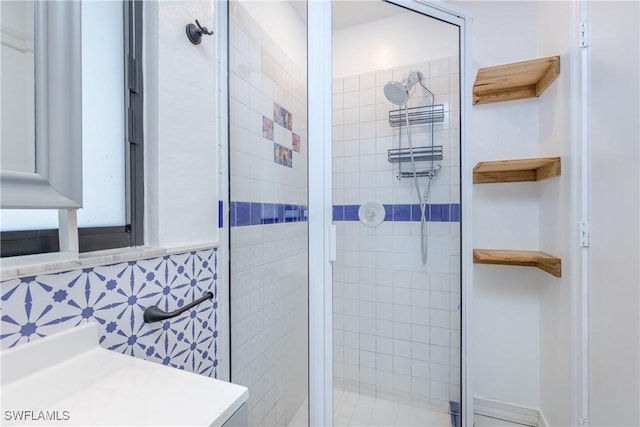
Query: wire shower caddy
[{"x": 418, "y": 116}]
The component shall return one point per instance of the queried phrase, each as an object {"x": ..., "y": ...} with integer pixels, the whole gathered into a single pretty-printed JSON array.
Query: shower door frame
[{"x": 322, "y": 236}]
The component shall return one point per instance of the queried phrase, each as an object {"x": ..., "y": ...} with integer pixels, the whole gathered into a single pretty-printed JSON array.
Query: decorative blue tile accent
[
  {"x": 351, "y": 212},
  {"x": 446, "y": 213},
  {"x": 115, "y": 297},
  {"x": 282, "y": 155},
  {"x": 295, "y": 142},
  {"x": 454, "y": 213},
  {"x": 254, "y": 213},
  {"x": 280, "y": 208},
  {"x": 435, "y": 213},
  {"x": 220, "y": 214},
  {"x": 267, "y": 128},
  {"x": 439, "y": 213},
  {"x": 416, "y": 213},
  {"x": 455, "y": 413},
  {"x": 403, "y": 212},
  {"x": 388, "y": 212},
  {"x": 291, "y": 213},
  {"x": 338, "y": 213},
  {"x": 282, "y": 116},
  {"x": 243, "y": 213},
  {"x": 269, "y": 213},
  {"x": 232, "y": 214}
]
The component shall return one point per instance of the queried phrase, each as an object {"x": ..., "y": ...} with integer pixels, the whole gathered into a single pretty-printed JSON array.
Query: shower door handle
[{"x": 154, "y": 314}]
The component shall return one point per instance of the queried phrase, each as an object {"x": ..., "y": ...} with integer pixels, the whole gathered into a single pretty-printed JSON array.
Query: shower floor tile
[{"x": 354, "y": 409}]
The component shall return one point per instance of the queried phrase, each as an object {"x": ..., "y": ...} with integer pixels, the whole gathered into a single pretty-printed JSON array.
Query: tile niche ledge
[{"x": 56, "y": 262}]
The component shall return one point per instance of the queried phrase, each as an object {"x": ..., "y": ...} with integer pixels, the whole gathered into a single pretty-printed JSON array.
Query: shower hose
[{"x": 423, "y": 196}]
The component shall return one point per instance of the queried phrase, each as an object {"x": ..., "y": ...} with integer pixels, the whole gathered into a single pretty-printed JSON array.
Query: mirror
[
  {"x": 18, "y": 84},
  {"x": 41, "y": 105}
]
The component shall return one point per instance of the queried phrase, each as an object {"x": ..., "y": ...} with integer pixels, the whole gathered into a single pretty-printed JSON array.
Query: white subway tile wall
[
  {"x": 396, "y": 321},
  {"x": 269, "y": 282}
]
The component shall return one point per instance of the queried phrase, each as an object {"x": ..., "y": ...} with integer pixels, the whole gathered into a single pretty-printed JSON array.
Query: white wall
[
  {"x": 390, "y": 42},
  {"x": 540, "y": 321},
  {"x": 557, "y": 236},
  {"x": 181, "y": 158},
  {"x": 506, "y": 309},
  {"x": 614, "y": 208},
  {"x": 282, "y": 19}
]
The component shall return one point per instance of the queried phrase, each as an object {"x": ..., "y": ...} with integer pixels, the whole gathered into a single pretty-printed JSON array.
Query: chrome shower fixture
[
  {"x": 398, "y": 92},
  {"x": 411, "y": 79}
]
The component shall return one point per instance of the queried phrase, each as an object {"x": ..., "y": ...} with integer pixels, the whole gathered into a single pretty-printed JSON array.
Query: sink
[{"x": 68, "y": 379}]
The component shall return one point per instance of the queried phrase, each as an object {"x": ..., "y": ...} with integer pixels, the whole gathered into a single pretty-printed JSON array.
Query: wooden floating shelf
[
  {"x": 520, "y": 170},
  {"x": 519, "y": 80},
  {"x": 543, "y": 261}
]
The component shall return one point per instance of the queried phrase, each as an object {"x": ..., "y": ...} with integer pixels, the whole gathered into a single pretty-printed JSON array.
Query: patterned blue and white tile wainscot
[{"x": 115, "y": 297}]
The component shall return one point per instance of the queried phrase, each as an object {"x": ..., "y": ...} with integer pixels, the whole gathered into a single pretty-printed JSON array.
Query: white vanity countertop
[{"x": 69, "y": 377}]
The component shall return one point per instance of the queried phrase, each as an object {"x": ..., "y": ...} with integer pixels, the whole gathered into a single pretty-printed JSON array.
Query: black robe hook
[{"x": 194, "y": 33}]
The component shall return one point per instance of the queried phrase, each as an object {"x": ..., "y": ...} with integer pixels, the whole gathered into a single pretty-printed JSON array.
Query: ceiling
[{"x": 346, "y": 13}]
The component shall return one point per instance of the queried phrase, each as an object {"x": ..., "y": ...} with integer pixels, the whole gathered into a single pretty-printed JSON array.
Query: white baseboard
[
  {"x": 508, "y": 412},
  {"x": 542, "y": 421}
]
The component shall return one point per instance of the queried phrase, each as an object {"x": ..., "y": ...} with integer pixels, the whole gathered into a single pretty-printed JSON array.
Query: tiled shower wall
[
  {"x": 268, "y": 235},
  {"x": 396, "y": 321},
  {"x": 115, "y": 297}
]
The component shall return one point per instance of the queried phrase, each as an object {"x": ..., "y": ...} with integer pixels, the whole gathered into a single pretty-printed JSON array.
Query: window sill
[{"x": 31, "y": 265}]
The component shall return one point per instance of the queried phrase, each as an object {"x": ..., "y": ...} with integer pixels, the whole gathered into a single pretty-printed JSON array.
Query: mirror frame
[{"x": 57, "y": 180}]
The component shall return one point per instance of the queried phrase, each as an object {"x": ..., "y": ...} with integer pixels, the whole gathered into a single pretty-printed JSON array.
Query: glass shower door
[
  {"x": 268, "y": 208},
  {"x": 397, "y": 276}
]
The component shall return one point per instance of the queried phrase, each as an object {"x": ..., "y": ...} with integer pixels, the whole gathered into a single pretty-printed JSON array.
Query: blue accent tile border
[
  {"x": 454, "y": 409},
  {"x": 220, "y": 214},
  {"x": 338, "y": 213},
  {"x": 437, "y": 212},
  {"x": 257, "y": 213},
  {"x": 401, "y": 212},
  {"x": 351, "y": 212}
]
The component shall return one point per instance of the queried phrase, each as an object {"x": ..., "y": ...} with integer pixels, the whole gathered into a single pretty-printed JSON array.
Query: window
[{"x": 112, "y": 141}]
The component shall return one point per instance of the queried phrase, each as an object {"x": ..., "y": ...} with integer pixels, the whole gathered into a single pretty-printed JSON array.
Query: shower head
[{"x": 398, "y": 92}]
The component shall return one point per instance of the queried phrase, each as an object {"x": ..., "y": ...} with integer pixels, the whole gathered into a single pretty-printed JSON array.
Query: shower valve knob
[{"x": 371, "y": 213}]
